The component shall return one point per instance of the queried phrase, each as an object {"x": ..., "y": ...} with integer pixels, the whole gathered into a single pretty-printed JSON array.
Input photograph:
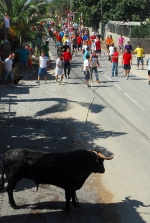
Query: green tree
[{"x": 123, "y": 10}]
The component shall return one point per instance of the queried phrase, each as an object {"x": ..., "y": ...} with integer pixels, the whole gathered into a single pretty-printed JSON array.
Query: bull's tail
[{"x": 2, "y": 181}]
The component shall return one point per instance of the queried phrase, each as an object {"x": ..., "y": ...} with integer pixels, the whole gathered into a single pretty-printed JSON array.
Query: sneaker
[
  {"x": 57, "y": 82},
  {"x": 38, "y": 82},
  {"x": 137, "y": 68},
  {"x": 62, "y": 82},
  {"x": 142, "y": 68},
  {"x": 45, "y": 82},
  {"x": 68, "y": 76},
  {"x": 127, "y": 78},
  {"x": 112, "y": 75},
  {"x": 98, "y": 81},
  {"x": 86, "y": 85}
]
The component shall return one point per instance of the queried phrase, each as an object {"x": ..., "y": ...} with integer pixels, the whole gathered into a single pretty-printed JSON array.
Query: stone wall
[{"x": 145, "y": 42}]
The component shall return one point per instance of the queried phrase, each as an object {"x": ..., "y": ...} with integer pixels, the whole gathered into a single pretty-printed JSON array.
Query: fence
[{"x": 121, "y": 28}]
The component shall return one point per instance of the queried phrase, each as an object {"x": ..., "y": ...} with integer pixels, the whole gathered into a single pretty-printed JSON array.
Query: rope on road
[{"x": 93, "y": 97}]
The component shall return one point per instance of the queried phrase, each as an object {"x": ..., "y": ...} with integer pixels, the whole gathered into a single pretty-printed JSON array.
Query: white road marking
[
  {"x": 134, "y": 101},
  {"x": 107, "y": 77},
  {"x": 118, "y": 87}
]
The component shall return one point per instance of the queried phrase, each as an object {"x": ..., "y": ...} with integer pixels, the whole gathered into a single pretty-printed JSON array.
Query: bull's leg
[
  {"x": 68, "y": 197},
  {"x": 74, "y": 200},
  {"x": 10, "y": 187}
]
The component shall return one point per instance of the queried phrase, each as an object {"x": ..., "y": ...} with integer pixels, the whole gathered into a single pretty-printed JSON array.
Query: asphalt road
[
  {"x": 121, "y": 112},
  {"x": 53, "y": 118}
]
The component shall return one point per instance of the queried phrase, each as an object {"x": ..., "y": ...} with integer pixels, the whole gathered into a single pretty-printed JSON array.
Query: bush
[{"x": 142, "y": 31}]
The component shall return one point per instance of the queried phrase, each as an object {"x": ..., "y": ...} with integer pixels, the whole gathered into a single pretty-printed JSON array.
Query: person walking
[
  {"x": 114, "y": 60},
  {"x": 128, "y": 47},
  {"x": 67, "y": 57},
  {"x": 98, "y": 45},
  {"x": 8, "y": 71},
  {"x": 127, "y": 62},
  {"x": 148, "y": 64},
  {"x": 111, "y": 51},
  {"x": 121, "y": 43},
  {"x": 93, "y": 61},
  {"x": 86, "y": 70},
  {"x": 140, "y": 55},
  {"x": 59, "y": 69},
  {"x": 43, "y": 64}
]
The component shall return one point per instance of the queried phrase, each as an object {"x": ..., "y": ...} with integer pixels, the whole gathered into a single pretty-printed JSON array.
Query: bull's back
[{"x": 60, "y": 169}]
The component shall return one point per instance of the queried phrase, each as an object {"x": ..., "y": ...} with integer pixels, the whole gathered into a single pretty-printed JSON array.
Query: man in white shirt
[
  {"x": 86, "y": 70},
  {"x": 6, "y": 20},
  {"x": 8, "y": 70},
  {"x": 148, "y": 64},
  {"x": 43, "y": 63}
]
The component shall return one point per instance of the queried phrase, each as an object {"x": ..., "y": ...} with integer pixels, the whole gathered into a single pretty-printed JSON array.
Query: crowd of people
[
  {"x": 71, "y": 41},
  {"x": 127, "y": 51}
]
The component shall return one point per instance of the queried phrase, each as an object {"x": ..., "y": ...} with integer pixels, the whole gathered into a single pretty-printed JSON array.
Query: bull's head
[{"x": 99, "y": 167}]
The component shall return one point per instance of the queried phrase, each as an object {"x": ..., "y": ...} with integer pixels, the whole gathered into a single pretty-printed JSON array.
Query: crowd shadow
[
  {"x": 89, "y": 212},
  {"x": 50, "y": 135}
]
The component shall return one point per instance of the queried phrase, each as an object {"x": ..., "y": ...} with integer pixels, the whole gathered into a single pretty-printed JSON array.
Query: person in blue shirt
[{"x": 85, "y": 36}]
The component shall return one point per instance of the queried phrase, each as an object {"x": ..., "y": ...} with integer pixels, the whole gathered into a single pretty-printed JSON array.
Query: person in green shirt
[{"x": 46, "y": 48}]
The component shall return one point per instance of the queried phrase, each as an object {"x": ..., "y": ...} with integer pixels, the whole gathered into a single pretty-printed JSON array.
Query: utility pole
[{"x": 101, "y": 19}]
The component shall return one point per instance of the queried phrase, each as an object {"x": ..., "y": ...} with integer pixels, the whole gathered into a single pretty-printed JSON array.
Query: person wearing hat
[{"x": 114, "y": 60}]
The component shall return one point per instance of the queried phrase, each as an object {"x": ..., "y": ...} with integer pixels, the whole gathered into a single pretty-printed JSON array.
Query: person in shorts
[
  {"x": 43, "y": 64},
  {"x": 59, "y": 69},
  {"x": 140, "y": 55},
  {"x": 8, "y": 70},
  {"x": 86, "y": 70},
  {"x": 127, "y": 62},
  {"x": 148, "y": 64}
]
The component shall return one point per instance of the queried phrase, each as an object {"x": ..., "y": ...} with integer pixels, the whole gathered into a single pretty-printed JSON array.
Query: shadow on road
[{"x": 97, "y": 213}]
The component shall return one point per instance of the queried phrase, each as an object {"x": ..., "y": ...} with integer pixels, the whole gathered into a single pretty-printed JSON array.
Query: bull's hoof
[
  {"x": 67, "y": 209},
  {"x": 76, "y": 204}
]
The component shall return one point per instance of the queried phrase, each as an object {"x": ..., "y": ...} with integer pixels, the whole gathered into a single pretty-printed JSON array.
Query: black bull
[{"x": 67, "y": 170}]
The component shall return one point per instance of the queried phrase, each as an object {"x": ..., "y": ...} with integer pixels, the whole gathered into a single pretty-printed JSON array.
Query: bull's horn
[{"x": 105, "y": 157}]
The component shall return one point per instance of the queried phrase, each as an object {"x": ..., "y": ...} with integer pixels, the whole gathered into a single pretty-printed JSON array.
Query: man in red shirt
[
  {"x": 79, "y": 42},
  {"x": 98, "y": 45},
  {"x": 127, "y": 62},
  {"x": 114, "y": 59},
  {"x": 67, "y": 57}
]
